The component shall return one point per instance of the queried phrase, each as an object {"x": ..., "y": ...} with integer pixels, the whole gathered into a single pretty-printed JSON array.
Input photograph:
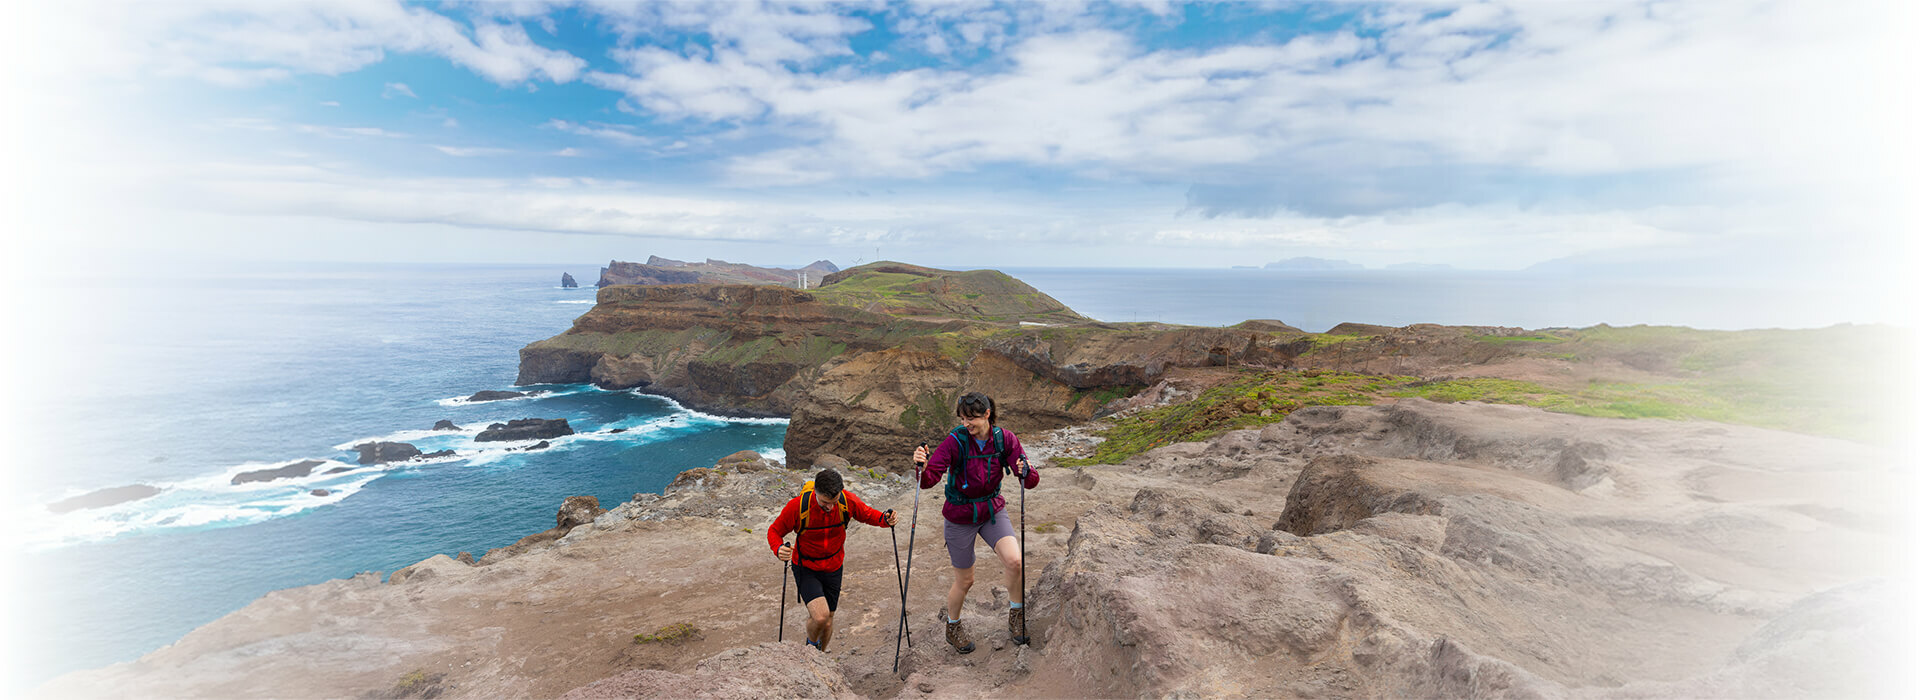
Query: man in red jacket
[{"x": 822, "y": 540}]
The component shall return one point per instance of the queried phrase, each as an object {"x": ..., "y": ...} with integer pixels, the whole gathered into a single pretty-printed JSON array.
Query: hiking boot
[
  {"x": 958, "y": 637},
  {"x": 1017, "y": 625}
]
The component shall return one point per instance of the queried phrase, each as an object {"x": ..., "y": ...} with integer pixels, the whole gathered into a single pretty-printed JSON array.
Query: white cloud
[
  {"x": 470, "y": 151},
  {"x": 1761, "y": 96},
  {"x": 239, "y": 43},
  {"x": 622, "y": 135},
  {"x": 330, "y": 103},
  {"x": 325, "y": 130},
  {"x": 393, "y": 89}
]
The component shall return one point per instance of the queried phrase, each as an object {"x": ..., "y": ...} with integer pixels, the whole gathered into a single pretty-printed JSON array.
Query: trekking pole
[
  {"x": 898, "y": 579},
  {"x": 907, "y": 582},
  {"x": 783, "y": 598},
  {"x": 1024, "y": 601}
]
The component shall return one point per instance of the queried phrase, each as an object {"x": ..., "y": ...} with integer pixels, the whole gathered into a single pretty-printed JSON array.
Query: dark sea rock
[
  {"x": 525, "y": 429},
  {"x": 291, "y": 471},
  {"x": 566, "y": 280},
  {"x": 618, "y": 430},
  {"x": 103, "y": 498},
  {"x": 431, "y": 455},
  {"x": 337, "y": 470},
  {"x": 321, "y": 492},
  {"x": 445, "y": 425},
  {"x": 491, "y": 395},
  {"x": 541, "y": 445},
  {"x": 384, "y": 452}
]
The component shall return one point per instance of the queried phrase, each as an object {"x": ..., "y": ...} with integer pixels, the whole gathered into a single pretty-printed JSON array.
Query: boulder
[
  {"x": 525, "y": 429},
  {"x": 491, "y": 395},
  {"x": 577, "y": 510},
  {"x": 741, "y": 456},
  {"x": 103, "y": 498},
  {"x": 831, "y": 461},
  {"x": 445, "y": 425},
  {"x": 384, "y": 452},
  {"x": 291, "y": 471}
]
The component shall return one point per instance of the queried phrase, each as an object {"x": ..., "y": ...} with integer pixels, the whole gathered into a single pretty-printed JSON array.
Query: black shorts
[{"x": 813, "y": 584}]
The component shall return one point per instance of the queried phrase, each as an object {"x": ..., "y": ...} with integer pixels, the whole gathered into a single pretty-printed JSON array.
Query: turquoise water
[{"x": 187, "y": 380}]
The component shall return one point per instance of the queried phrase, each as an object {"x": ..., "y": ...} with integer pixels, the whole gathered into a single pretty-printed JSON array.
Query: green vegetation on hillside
[
  {"x": 1257, "y": 398},
  {"x": 905, "y": 290},
  {"x": 1839, "y": 382}
]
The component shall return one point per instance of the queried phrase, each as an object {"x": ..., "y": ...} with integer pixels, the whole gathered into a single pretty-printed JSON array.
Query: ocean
[{"x": 185, "y": 379}]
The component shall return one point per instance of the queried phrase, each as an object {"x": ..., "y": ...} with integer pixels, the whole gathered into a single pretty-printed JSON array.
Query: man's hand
[
  {"x": 890, "y": 518},
  {"x": 785, "y": 553}
]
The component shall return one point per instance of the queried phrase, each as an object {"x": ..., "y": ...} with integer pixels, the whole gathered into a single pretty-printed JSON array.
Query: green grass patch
[
  {"x": 1322, "y": 341},
  {"x": 676, "y": 632},
  {"x": 1256, "y": 399}
]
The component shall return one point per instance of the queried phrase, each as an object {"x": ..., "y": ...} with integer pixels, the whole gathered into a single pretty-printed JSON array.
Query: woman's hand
[{"x": 920, "y": 456}]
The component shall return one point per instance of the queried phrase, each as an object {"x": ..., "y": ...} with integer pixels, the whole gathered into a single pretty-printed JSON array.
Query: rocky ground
[{"x": 1414, "y": 549}]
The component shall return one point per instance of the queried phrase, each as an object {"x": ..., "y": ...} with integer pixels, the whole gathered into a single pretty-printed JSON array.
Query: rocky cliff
[
  {"x": 1414, "y": 549},
  {"x": 871, "y": 361},
  {"x": 659, "y": 270}
]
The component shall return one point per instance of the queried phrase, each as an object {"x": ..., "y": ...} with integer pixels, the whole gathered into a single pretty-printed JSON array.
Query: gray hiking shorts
[{"x": 960, "y": 537}]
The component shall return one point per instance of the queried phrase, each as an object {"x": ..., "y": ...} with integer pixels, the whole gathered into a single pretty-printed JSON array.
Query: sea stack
[{"x": 566, "y": 280}]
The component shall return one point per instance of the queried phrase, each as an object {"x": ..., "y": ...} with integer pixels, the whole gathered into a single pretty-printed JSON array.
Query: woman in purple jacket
[{"x": 973, "y": 458}]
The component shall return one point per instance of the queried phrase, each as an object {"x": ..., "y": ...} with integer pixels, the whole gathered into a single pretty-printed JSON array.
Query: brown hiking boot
[
  {"x": 958, "y": 637},
  {"x": 1017, "y": 624}
]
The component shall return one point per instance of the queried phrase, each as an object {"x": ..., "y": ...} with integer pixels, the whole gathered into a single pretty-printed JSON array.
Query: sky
[{"x": 1770, "y": 140}]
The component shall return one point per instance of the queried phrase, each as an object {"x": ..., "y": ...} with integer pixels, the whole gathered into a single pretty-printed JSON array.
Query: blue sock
[
  {"x": 1017, "y": 606},
  {"x": 952, "y": 621}
]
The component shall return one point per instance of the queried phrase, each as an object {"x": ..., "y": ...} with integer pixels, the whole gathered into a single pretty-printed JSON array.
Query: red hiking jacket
[{"x": 819, "y": 541}]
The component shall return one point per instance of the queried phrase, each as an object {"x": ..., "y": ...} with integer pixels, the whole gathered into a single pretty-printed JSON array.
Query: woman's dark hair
[
  {"x": 976, "y": 404},
  {"x": 827, "y": 483}
]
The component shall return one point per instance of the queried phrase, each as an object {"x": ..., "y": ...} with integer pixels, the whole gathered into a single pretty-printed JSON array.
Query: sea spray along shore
[{"x": 1328, "y": 530}]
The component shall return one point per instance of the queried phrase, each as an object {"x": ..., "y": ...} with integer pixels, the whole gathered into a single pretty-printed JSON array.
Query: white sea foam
[
  {"x": 682, "y": 409},
  {"x": 197, "y": 503},
  {"x": 575, "y": 301},
  {"x": 535, "y": 394},
  {"x": 415, "y": 437}
]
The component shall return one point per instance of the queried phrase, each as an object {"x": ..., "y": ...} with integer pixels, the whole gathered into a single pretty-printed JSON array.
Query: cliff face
[
  {"x": 885, "y": 403},
  {"x": 746, "y": 349},
  {"x": 872, "y": 361},
  {"x": 659, "y": 270}
]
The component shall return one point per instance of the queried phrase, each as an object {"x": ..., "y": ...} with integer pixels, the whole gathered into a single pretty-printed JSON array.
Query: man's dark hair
[
  {"x": 976, "y": 404},
  {"x": 827, "y": 483}
]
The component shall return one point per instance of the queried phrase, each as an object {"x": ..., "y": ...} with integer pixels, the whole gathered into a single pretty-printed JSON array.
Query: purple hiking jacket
[{"x": 982, "y": 477}]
